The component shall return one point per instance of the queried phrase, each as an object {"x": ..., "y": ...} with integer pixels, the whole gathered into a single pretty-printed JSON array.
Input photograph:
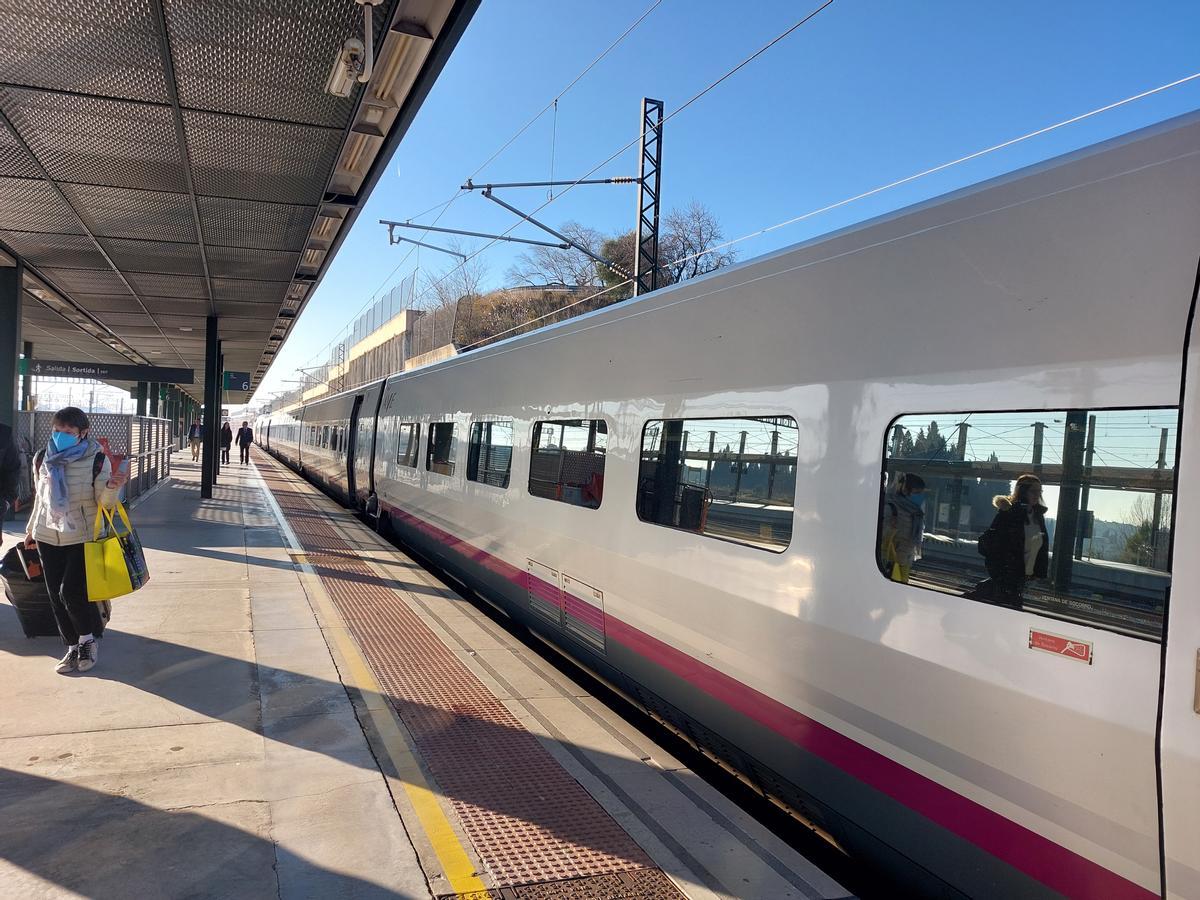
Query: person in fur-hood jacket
[{"x": 1016, "y": 547}]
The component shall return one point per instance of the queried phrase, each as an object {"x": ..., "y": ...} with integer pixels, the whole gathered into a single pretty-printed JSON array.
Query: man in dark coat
[{"x": 245, "y": 437}]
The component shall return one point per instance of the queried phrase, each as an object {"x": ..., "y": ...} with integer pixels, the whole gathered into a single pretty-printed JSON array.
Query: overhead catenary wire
[
  {"x": 954, "y": 162},
  {"x": 685, "y": 105},
  {"x": 414, "y": 249},
  {"x": 860, "y": 196},
  {"x": 553, "y": 104},
  {"x": 446, "y": 204}
]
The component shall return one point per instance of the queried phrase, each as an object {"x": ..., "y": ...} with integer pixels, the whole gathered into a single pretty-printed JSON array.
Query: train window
[
  {"x": 408, "y": 444},
  {"x": 439, "y": 456},
  {"x": 733, "y": 479},
  {"x": 567, "y": 462},
  {"x": 1065, "y": 513},
  {"x": 489, "y": 455}
]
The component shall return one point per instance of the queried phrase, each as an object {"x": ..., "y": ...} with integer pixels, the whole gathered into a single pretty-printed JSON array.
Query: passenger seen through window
[{"x": 1063, "y": 512}]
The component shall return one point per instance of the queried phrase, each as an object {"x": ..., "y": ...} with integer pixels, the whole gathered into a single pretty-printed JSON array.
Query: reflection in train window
[
  {"x": 408, "y": 444},
  {"x": 733, "y": 479},
  {"x": 567, "y": 461},
  {"x": 439, "y": 456},
  {"x": 489, "y": 456},
  {"x": 1066, "y": 513}
]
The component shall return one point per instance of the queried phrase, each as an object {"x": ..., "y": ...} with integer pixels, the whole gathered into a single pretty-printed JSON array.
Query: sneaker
[
  {"x": 88, "y": 651},
  {"x": 68, "y": 663}
]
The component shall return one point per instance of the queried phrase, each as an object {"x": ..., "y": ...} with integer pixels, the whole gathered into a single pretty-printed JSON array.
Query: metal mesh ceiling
[
  {"x": 27, "y": 205},
  {"x": 266, "y": 226},
  {"x": 107, "y": 49},
  {"x": 165, "y": 160},
  {"x": 127, "y": 213},
  {"x": 285, "y": 44},
  {"x": 255, "y": 159},
  {"x": 98, "y": 141},
  {"x": 13, "y": 158}
]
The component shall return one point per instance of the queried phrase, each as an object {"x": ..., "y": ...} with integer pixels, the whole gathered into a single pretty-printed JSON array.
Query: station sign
[
  {"x": 237, "y": 381},
  {"x": 57, "y": 368}
]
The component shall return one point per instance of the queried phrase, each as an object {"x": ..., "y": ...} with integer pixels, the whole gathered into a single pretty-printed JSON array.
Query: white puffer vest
[{"x": 84, "y": 495}]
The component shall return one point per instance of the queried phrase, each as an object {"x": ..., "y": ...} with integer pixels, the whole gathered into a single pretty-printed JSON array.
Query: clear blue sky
[{"x": 869, "y": 91}]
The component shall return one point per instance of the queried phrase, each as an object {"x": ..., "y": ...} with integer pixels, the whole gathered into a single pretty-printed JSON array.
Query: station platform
[{"x": 294, "y": 708}]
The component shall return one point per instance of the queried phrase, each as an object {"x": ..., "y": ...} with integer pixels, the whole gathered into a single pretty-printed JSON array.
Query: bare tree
[
  {"x": 553, "y": 265},
  {"x": 689, "y": 237},
  {"x": 534, "y": 300},
  {"x": 686, "y": 248},
  {"x": 463, "y": 279},
  {"x": 1141, "y": 543}
]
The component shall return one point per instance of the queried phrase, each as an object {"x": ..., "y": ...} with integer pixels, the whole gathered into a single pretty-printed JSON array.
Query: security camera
[{"x": 347, "y": 67}]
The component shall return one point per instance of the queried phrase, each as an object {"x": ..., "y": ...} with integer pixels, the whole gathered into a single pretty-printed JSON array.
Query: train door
[
  {"x": 367, "y": 439},
  {"x": 351, "y": 442},
  {"x": 1179, "y": 741}
]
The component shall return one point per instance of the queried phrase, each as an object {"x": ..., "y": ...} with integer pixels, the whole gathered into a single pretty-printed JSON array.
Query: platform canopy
[{"x": 162, "y": 161}]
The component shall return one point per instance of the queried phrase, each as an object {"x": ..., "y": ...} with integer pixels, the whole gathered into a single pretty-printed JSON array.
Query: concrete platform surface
[
  {"x": 208, "y": 754},
  {"x": 234, "y": 740}
]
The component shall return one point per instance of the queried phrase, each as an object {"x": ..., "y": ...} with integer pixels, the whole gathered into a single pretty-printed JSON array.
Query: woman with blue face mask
[
  {"x": 903, "y": 526},
  {"x": 72, "y": 477}
]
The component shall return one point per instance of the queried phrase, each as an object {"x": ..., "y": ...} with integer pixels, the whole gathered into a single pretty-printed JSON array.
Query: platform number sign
[{"x": 237, "y": 381}]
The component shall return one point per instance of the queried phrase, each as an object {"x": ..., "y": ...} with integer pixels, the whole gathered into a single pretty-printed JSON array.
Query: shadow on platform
[{"x": 100, "y": 845}]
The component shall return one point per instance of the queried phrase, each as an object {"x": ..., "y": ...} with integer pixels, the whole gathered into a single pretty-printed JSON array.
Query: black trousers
[
  {"x": 66, "y": 580},
  {"x": 245, "y": 453},
  {"x": 225, "y": 453}
]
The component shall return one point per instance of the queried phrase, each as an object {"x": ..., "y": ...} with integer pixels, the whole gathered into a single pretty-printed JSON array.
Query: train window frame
[
  {"x": 706, "y": 503},
  {"x": 432, "y": 437},
  {"x": 412, "y": 455},
  {"x": 602, "y": 427},
  {"x": 1082, "y": 611},
  {"x": 475, "y": 447}
]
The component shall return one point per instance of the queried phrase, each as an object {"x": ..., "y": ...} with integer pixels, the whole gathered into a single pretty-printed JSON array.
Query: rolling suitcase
[{"x": 28, "y": 595}]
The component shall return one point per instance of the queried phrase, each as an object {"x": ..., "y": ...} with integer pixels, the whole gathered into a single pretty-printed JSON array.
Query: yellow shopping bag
[{"x": 113, "y": 560}]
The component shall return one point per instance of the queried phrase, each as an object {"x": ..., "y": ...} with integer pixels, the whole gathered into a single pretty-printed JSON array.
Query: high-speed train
[{"x": 685, "y": 492}]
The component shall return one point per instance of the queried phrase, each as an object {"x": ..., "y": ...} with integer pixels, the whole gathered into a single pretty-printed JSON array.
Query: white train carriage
[{"x": 684, "y": 492}]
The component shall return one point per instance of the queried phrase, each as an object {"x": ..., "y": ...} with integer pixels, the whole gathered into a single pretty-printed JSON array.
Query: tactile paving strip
[
  {"x": 531, "y": 823},
  {"x": 637, "y": 884}
]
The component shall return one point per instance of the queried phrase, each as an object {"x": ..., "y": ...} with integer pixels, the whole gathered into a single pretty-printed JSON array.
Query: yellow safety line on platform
[
  {"x": 459, "y": 869},
  {"x": 456, "y": 864}
]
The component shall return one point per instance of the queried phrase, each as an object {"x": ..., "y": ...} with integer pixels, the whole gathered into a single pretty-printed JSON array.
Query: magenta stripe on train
[
  {"x": 585, "y": 612},
  {"x": 1025, "y": 850}
]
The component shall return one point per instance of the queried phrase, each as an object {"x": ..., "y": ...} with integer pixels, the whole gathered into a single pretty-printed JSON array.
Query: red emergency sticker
[{"x": 1060, "y": 646}]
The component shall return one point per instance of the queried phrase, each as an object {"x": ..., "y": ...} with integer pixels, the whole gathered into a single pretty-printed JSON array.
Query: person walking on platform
[
  {"x": 10, "y": 471},
  {"x": 903, "y": 528},
  {"x": 195, "y": 436},
  {"x": 226, "y": 442},
  {"x": 72, "y": 477},
  {"x": 245, "y": 437}
]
